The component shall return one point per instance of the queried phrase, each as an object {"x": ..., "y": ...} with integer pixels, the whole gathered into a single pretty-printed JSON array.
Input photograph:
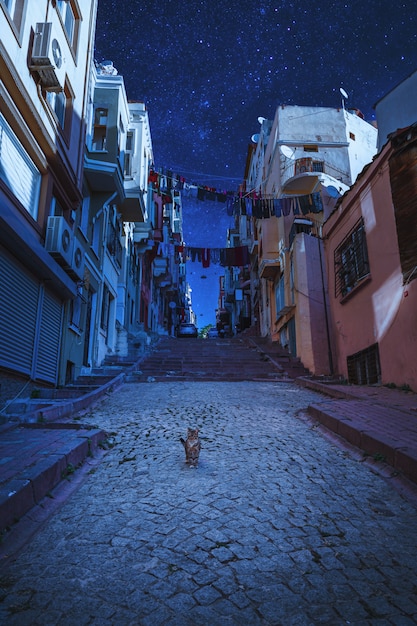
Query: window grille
[
  {"x": 364, "y": 366},
  {"x": 351, "y": 260}
]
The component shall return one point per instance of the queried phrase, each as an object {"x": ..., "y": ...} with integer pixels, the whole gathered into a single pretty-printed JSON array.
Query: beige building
[{"x": 311, "y": 157}]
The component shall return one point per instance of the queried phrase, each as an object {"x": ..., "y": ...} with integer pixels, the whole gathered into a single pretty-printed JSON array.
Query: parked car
[
  {"x": 187, "y": 330},
  {"x": 213, "y": 333}
]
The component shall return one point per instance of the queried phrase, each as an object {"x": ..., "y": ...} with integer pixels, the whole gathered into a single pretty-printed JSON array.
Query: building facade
[
  {"x": 372, "y": 266},
  {"x": 46, "y": 54},
  {"x": 312, "y": 157},
  {"x": 90, "y": 246}
]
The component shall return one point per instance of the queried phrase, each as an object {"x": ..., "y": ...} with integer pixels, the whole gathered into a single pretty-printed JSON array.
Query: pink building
[{"x": 371, "y": 255}]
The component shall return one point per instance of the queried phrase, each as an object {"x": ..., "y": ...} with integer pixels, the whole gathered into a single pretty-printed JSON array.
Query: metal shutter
[
  {"x": 19, "y": 294},
  {"x": 49, "y": 339},
  {"x": 30, "y": 323}
]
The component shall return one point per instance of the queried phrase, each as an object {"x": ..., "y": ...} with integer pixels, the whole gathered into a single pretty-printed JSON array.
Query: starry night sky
[{"x": 208, "y": 69}]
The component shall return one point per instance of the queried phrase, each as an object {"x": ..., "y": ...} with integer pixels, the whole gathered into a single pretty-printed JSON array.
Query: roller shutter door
[
  {"x": 49, "y": 339},
  {"x": 18, "y": 313},
  {"x": 30, "y": 323}
]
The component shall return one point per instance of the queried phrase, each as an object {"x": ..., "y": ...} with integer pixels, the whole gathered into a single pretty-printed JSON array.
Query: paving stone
[{"x": 278, "y": 525}]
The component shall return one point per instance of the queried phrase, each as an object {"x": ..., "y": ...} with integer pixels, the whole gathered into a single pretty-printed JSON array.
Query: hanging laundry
[
  {"x": 205, "y": 256},
  {"x": 305, "y": 204},
  {"x": 277, "y": 207},
  {"x": 153, "y": 177},
  {"x": 215, "y": 255},
  {"x": 317, "y": 202},
  {"x": 286, "y": 206},
  {"x": 229, "y": 205}
]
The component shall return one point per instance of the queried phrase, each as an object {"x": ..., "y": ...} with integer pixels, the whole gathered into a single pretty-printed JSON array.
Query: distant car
[
  {"x": 187, "y": 330},
  {"x": 213, "y": 333}
]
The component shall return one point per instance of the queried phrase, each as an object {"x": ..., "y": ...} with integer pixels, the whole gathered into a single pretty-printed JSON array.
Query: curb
[
  {"x": 390, "y": 443},
  {"x": 21, "y": 493}
]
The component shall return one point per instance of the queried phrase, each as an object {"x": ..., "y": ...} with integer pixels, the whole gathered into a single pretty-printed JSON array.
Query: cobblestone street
[{"x": 277, "y": 525}]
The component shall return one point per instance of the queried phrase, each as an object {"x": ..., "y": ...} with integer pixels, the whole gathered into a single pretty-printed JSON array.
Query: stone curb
[
  {"x": 392, "y": 447},
  {"x": 29, "y": 487}
]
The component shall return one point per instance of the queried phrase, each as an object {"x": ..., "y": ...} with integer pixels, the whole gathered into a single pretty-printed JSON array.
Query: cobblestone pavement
[{"x": 277, "y": 525}]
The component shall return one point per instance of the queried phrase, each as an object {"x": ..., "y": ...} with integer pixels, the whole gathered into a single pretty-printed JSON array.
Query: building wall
[
  {"x": 397, "y": 109},
  {"x": 381, "y": 309},
  {"x": 310, "y": 286},
  {"x": 51, "y": 146}
]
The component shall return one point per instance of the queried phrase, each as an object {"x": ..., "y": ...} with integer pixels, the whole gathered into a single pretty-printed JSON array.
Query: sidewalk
[
  {"x": 380, "y": 421},
  {"x": 46, "y": 443}
]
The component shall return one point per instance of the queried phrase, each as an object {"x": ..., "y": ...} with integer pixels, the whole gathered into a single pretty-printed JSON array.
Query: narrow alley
[{"x": 278, "y": 525}]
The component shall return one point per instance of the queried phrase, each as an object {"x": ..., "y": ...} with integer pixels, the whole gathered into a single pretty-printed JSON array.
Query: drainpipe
[{"x": 326, "y": 317}]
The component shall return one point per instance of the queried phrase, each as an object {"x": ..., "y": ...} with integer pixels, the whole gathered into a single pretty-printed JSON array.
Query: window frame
[
  {"x": 32, "y": 206},
  {"x": 63, "y": 7},
  {"x": 64, "y": 119},
  {"x": 15, "y": 14},
  {"x": 351, "y": 261},
  {"x": 100, "y": 129}
]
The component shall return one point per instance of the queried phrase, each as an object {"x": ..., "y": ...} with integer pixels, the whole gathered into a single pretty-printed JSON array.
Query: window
[
  {"x": 317, "y": 166},
  {"x": 57, "y": 102},
  {"x": 17, "y": 171},
  {"x": 129, "y": 154},
  {"x": 120, "y": 135},
  {"x": 70, "y": 19},
  {"x": 61, "y": 104},
  {"x": 300, "y": 225},
  {"x": 113, "y": 242},
  {"x": 105, "y": 308},
  {"x": 76, "y": 310},
  {"x": 280, "y": 296},
  {"x": 85, "y": 215},
  {"x": 99, "y": 139},
  {"x": 14, "y": 10},
  {"x": 351, "y": 260},
  {"x": 352, "y": 136},
  {"x": 308, "y": 165},
  {"x": 364, "y": 367}
]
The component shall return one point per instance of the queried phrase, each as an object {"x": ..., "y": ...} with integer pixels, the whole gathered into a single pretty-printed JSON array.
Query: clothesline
[
  {"x": 226, "y": 257},
  {"x": 252, "y": 203}
]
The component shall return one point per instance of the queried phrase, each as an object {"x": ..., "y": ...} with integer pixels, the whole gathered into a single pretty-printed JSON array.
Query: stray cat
[{"x": 192, "y": 446}]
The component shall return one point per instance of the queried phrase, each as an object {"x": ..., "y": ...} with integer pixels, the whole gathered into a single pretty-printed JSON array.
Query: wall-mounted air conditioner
[
  {"x": 76, "y": 270},
  {"x": 59, "y": 241},
  {"x": 47, "y": 57}
]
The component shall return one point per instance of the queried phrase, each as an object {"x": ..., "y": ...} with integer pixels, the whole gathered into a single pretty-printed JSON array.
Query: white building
[{"x": 45, "y": 58}]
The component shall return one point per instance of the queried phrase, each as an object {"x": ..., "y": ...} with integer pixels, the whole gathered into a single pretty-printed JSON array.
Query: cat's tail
[{"x": 182, "y": 441}]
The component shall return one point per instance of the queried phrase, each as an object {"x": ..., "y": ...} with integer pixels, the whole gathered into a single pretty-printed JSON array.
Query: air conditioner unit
[
  {"x": 47, "y": 59},
  {"x": 76, "y": 270},
  {"x": 59, "y": 241}
]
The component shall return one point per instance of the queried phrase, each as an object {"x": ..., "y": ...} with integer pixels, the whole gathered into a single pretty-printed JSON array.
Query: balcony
[
  {"x": 309, "y": 174},
  {"x": 269, "y": 268},
  {"x": 160, "y": 266},
  {"x": 133, "y": 208},
  {"x": 104, "y": 176}
]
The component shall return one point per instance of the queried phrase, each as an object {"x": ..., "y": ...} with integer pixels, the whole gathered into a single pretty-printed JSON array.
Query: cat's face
[{"x": 193, "y": 433}]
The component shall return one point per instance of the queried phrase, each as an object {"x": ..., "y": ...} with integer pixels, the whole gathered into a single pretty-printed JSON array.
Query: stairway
[{"x": 214, "y": 360}]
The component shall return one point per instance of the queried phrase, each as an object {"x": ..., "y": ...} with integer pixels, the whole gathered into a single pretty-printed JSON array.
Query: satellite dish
[
  {"x": 287, "y": 152},
  {"x": 255, "y": 138},
  {"x": 261, "y": 119},
  {"x": 332, "y": 191},
  {"x": 343, "y": 92}
]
